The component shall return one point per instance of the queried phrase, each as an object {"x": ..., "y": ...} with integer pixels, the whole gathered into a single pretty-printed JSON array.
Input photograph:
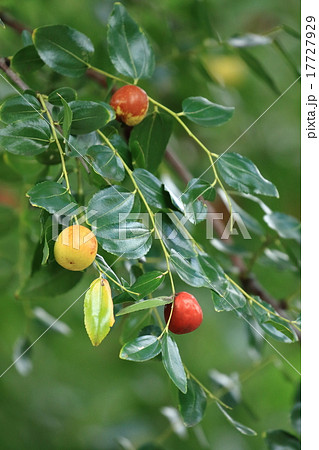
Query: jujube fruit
[
  {"x": 75, "y": 248},
  {"x": 130, "y": 103},
  {"x": 187, "y": 314}
]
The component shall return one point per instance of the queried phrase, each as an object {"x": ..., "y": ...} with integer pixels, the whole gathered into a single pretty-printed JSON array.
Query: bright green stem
[
  {"x": 253, "y": 300},
  {"x": 150, "y": 212},
  {"x": 65, "y": 174},
  {"x": 112, "y": 279}
]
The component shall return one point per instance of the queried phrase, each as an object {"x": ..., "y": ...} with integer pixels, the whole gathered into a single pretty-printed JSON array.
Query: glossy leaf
[
  {"x": 231, "y": 299},
  {"x": 131, "y": 240},
  {"x": 239, "y": 427},
  {"x": 110, "y": 206},
  {"x": 143, "y": 348},
  {"x": 106, "y": 163},
  {"x": 205, "y": 113},
  {"x": 249, "y": 40},
  {"x": 21, "y": 356},
  {"x": 229, "y": 385},
  {"x": 108, "y": 270},
  {"x": 194, "y": 209},
  {"x": 286, "y": 226},
  {"x": 26, "y": 137},
  {"x": 20, "y": 107},
  {"x": 281, "y": 440},
  {"x": 192, "y": 405},
  {"x": 172, "y": 362},
  {"x": 26, "y": 60},
  {"x": 213, "y": 273},
  {"x": 242, "y": 174},
  {"x": 186, "y": 270},
  {"x": 272, "y": 324},
  {"x": 145, "y": 304},
  {"x": 65, "y": 50},
  {"x": 147, "y": 283},
  {"x": 98, "y": 311},
  {"x": 52, "y": 196},
  {"x": 173, "y": 235},
  {"x": 51, "y": 322},
  {"x": 49, "y": 281},
  {"x": 87, "y": 116},
  {"x": 129, "y": 49},
  {"x": 151, "y": 137},
  {"x": 152, "y": 189},
  {"x": 255, "y": 65},
  {"x": 249, "y": 221},
  {"x": 67, "y": 93},
  {"x": 67, "y": 119}
]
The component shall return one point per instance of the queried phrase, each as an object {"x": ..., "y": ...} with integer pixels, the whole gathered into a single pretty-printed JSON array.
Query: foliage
[{"x": 110, "y": 177}]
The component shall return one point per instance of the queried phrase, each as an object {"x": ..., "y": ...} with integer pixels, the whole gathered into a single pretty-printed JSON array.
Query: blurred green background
[{"x": 79, "y": 397}]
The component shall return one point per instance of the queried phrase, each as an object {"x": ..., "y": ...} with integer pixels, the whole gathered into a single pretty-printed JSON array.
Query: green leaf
[
  {"x": 192, "y": 405},
  {"x": 52, "y": 197},
  {"x": 194, "y": 209},
  {"x": 145, "y": 304},
  {"x": 186, "y": 270},
  {"x": 26, "y": 137},
  {"x": 65, "y": 50},
  {"x": 129, "y": 49},
  {"x": 108, "y": 270},
  {"x": 21, "y": 356},
  {"x": 239, "y": 427},
  {"x": 152, "y": 189},
  {"x": 106, "y": 163},
  {"x": 213, "y": 273},
  {"x": 272, "y": 324},
  {"x": 205, "y": 113},
  {"x": 249, "y": 40},
  {"x": 26, "y": 60},
  {"x": 242, "y": 174},
  {"x": 230, "y": 300},
  {"x": 110, "y": 206},
  {"x": 20, "y": 107},
  {"x": 132, "y": 240},
  {"x": 87, "y": 116},
  {"x": 258, "y": 69},
  {"x": 51, "y": 322},
  {"x": 49, "y": 281},
  {"x": 151, "y": 137},
  {"x": 286, "y": 226},
  {"x": 147, "y": 283},
  {"x": 281, "y": 440},
  {"x": 172, "y": 362},
  {"x": 67, "y": 118},
  {"x": 249, "y": 221},
  {"x": 229, "y": 385},
  {"x": 143, "y": 348},
  {"x": 67, "y": 93},
  {"x": 98, "y": 311},
  {"x": 173, "y": 235}
]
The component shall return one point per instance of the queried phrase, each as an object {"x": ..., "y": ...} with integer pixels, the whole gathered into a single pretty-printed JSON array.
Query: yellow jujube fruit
[{"x": 75, "y": 248}]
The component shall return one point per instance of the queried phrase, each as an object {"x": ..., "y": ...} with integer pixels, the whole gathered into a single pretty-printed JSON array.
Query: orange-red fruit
[
  {"x": 130, "y": 104},
  {"x": 187, "y": 314}
]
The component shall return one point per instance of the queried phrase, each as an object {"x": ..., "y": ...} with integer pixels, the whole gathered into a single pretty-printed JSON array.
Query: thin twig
[{"x": 5, "y": 66}]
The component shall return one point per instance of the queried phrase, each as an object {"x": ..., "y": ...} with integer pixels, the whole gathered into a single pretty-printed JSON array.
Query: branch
[
  {"x": 13, "y": 23},
  {"x": 4, "y": 65},
  {"x": 249, "y": 283}
]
